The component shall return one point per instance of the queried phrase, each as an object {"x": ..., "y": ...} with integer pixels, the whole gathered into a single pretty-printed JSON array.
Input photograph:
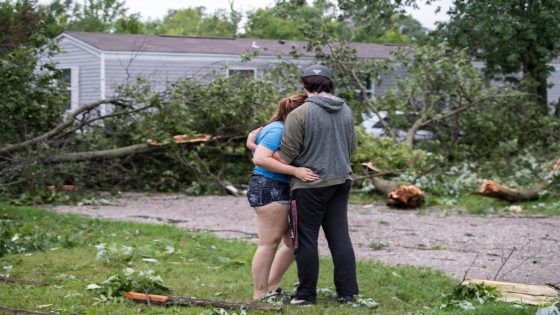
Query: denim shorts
[{"x": 263, "y": 190}]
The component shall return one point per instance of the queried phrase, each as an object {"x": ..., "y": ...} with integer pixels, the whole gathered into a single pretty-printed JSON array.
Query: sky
[{"x": 154, "y": 9}]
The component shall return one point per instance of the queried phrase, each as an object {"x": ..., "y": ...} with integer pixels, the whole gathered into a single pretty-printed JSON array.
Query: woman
[{"x": 269, "y": 194}]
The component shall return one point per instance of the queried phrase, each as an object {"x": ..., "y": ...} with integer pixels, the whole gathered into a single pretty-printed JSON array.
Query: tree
[
  {"x": 343, "y": 19},
  {"x": 510, "y": 36},
  {"x": 399, "y": 29},
  {"x": 94, "y": 16},
  {"x": 130, "y": 24},
  {"x": 196, "y": 22},
  {"x": 23, "y": 36},
  {"x": 289, "y": 23}
]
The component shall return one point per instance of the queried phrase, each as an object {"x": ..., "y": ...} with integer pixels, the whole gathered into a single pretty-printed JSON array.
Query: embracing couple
[{"x": 300, "y": 183}]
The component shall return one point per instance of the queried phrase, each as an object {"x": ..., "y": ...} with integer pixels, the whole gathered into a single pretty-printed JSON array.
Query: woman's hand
[
  {"x": 252, "y": 139},
  {"x": 305, "y": 174}
]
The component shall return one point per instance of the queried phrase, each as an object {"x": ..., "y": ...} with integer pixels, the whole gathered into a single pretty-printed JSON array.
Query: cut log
[
  {"x": 518, "y": 292},
  {"x": 494, "y": 190},
  {"x": 185, "y": 301},
  {"x": 399, "y": 195},
  {"x": 406, "y": 196}
]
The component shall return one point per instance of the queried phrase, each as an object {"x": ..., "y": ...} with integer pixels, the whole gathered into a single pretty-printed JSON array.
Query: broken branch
[
  {"x": 184, "y": 301},
  {"x": 59, "y": 128},
  {"x": 22, "y": 282}
]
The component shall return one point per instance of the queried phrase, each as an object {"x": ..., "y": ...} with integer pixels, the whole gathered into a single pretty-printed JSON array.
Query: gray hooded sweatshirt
[{"x": 320, "y": 135}]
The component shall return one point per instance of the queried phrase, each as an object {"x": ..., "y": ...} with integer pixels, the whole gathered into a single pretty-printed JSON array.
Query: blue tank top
[{"x": 270, "y": 137}]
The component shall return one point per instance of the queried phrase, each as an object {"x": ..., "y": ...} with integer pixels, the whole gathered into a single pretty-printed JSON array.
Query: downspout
[{"x": 102, "y": 82}]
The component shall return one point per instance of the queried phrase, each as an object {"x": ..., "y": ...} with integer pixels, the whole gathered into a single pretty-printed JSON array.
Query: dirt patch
[{"x": 429, "y": 237}]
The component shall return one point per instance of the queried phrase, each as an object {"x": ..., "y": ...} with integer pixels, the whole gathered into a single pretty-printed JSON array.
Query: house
[{"x": 95, "y": 63}]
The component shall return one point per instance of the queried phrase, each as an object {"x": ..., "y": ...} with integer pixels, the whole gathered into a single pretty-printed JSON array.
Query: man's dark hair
[{"x": 317, "y": 83}]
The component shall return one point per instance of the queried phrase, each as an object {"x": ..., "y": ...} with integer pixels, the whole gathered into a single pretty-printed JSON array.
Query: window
[
  {"x": 242, "y": 74},
  {"x": 70, "y": 80},
  {"x": 66, "y": 79},
  {"x": 370, "y": 89}
]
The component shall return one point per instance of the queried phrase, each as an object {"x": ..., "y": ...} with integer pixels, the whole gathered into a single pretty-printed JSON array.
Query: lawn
[{"x": 64, "y": 252}]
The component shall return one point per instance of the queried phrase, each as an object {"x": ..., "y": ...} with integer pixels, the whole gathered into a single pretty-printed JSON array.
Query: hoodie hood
[{"x": 328, "y": 102}]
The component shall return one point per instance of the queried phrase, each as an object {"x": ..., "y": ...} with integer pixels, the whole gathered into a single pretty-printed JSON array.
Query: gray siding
[
  {"x": 554, "y": 90},
  {"x": 89, "y": 66},
  {"x": 389, "y": 80},
  {"x": 121, "y": 69}
]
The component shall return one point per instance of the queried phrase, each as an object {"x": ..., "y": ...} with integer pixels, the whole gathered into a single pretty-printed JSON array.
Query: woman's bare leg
[
  {"x": 282, "y": 260},
  {"x": 270, "y": 229}
]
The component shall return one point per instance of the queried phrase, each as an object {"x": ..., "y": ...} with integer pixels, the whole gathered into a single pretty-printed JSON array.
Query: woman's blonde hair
[{"x": 286, "y": 105}]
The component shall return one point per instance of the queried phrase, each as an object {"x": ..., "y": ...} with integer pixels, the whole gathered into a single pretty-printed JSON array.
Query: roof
[{"x": 210, "y": 45}]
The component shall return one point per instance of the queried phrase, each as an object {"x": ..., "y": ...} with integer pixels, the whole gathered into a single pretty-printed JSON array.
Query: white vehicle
[{"x": 374, "y": 127}]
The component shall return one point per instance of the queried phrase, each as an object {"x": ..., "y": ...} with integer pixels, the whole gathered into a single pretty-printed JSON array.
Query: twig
[
  {"x": 22, "y": 282},
  {"x": 8, "y": 310},
  {"x": 504, "y": 262},
  {"x": 469, "y": 269},
  {"x": 185, "y": 301},
  {"x": 554, "y": 286}
]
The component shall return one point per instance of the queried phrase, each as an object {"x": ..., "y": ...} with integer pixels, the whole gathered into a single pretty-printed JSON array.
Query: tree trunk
[
  {"x": 399, "y": 195},
  {"x": 538, "y": 83},
  {"x": 151, "y": 145},
  {"x": 101, "y": 154},
  {"x": 494, "y": 190}
]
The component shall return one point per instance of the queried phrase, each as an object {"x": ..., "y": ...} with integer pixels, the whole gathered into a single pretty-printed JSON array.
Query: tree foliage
[
  {"x": 30, "y": 102},
  {"x": 94, "y": 16},
  {"x": 510, "y": 36},
  {"x": 280, "y": 22},
  {"x": 344, "y": 20},
  {"x": 196, "y": 22}
]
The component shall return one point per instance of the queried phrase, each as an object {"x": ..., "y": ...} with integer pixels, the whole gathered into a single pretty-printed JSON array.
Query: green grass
[
  {"x": 481, "y": 205},
  {"x": 59, "y": 250}
]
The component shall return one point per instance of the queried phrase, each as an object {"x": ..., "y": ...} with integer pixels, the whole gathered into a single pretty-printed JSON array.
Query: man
[{"x": 320, "y": 135}]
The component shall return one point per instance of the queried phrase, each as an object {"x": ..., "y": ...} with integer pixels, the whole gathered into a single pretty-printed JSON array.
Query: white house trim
[
  {"x": 102, "y": 80},
  {"x": 83, "y": 45},
  {"x": 74, "y": 88}
]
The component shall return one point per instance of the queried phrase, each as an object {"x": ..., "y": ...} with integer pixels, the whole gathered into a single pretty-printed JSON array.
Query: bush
[{"x": 385, "y": 154}]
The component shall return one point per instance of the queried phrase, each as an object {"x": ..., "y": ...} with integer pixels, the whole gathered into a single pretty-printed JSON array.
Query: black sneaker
[
  {"x": 278, "y": 291},
  {"x": 348, "y": 299},
  {"x": 273, "y": 296},
  {"x": 298, "y": 301}
]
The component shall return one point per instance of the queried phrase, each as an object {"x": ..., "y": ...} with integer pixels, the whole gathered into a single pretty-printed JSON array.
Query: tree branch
[
  {"x": 101, "y": 154},
  {"x": 59, "y": 128},
  {"x": 363, "y": 90}
]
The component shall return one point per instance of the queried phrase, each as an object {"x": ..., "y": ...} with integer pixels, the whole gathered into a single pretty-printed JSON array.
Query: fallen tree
[
  {"x": 398, "y": 195},
  {"x": 494, "y": 190}
]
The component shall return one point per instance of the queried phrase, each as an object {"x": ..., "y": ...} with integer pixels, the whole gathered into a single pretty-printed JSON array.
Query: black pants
[{"x": 312, "y": 208}]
